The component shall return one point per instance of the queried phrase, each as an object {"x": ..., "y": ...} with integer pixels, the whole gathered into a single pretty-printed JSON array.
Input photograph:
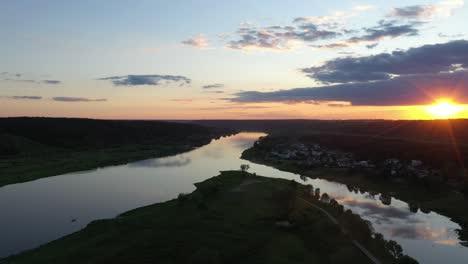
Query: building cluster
[
  {"x": 398, "y": 168},
  {"x": 315, "y": 156}
]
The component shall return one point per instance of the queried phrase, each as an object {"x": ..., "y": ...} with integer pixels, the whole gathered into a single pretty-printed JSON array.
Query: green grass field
[{"x": 230, "y": 218}]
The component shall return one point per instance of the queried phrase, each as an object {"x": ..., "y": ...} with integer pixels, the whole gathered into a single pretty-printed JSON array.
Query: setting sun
[{"x": 444, "y": 109}]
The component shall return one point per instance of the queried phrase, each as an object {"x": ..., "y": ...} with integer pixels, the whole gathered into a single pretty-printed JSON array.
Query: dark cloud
[
  {"x": 420, "y": 89},
  {"x": 15, "y": 78},
  {"x": 51, "y": 82},
  {"x": 384, "y": 29},
  {"x": 371, "y": 46},
  {"x": 213, "y": 86},
  {"x": 416, "y": 11},
  {"x": 155, "y": 79},
  {"x": 314, "y": 29},
  {"x": 428, "y": 59},
  {"x": 280, "y": 37},
  {"x": 77, "y": 99},
  {"x": 417, "y": 76},
  {"x": 24, "y": 97}
]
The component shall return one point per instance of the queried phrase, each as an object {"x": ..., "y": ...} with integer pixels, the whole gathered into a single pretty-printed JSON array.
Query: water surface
[{"x": 37, "y": 212}]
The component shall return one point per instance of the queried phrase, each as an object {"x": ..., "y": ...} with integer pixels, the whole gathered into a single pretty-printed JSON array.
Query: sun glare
[{"x": 444, "y": 109}]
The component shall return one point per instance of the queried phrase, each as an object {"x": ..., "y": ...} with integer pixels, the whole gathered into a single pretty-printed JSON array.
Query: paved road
[{"x": 356, "y": 243}]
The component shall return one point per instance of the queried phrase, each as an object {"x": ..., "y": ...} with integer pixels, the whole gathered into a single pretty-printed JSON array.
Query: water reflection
[
  {"x": 176, "y": 161},
  {"x": 379, "y": 211},
  {"x": 36, "y": 212}
]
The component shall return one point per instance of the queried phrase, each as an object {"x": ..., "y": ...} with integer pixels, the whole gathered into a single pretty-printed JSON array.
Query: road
[{"x": 335, "y": 221}]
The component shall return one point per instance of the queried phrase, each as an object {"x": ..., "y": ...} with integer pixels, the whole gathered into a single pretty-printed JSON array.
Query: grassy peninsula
[
  {"x": 32, "y": 148},
  {"x": 235, "y": 217}
]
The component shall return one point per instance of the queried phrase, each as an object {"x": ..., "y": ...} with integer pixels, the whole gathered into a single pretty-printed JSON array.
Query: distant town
[{"x": 315, "y": 156}]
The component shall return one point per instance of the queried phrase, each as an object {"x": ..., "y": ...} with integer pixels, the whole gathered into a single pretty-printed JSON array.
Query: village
[{"x": 315, "y": 156}]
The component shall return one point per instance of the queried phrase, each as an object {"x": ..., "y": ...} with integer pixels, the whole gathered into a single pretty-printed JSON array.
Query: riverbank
[
  {"x": 33, "y": 148},
  {"x": 418, "y": 194},
  {"x": 234, "y": 217}
]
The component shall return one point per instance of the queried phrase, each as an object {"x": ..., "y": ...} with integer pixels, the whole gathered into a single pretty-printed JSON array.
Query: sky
[{"x": 211, "y": 59}]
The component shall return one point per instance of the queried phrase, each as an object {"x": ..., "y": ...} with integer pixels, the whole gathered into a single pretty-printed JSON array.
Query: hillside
[{"x": 32, "y": 148}]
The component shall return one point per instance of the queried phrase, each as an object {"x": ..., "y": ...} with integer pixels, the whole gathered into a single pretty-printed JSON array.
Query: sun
[{"x": 444, "y": 108}]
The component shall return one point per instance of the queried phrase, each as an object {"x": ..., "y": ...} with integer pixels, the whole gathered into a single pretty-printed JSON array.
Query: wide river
[{"x": 37, "y": 212}]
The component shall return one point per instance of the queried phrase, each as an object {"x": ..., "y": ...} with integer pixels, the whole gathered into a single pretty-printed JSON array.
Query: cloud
[
  {"x": 19, "y": 80},
  {"x": 442, "y": 35},
  {"x": 417, "y": 76},
  {"x": 77, "y": 99},
  {"x": 371, "y": 46},
  {"x": 15, "y": 78},
  {"x": 423, "y": 12},
  {"x": 407, "y": 90},
  {"x": 215, "y": 92},
  {"x": 23, "y": 97},
  {"x": 333, "y": 20},
  {"x": 386, "y": 29},
  {"x": 231, "y": 107},
  {"x": 364, "y": 7},
  {"x": 51, "y": 82},
  {"x": 416, "y": 11},
  {"x": 155, "y": 79},
  {"x": 198, "y": 42},
  {"x": 313, "y": 29},
  {"x": 422, "y": 60},
  {"x": 280, "y": 37},
  {"x": 213, "y": 86},
  {"x": 182, "y": 100}
]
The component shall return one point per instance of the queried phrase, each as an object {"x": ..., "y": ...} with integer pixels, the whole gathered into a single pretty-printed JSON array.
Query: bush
[{"x": 181, "y": 198}]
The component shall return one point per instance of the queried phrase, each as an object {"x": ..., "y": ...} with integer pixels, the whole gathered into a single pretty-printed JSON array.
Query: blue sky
[{"x": 78, "y": 42}]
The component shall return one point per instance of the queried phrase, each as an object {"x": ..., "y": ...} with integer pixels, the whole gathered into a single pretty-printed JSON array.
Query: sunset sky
[{"x": 211, "y": 59}]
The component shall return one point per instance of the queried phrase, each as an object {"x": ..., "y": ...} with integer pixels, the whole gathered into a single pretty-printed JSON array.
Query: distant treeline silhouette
[
  {"x": 73, "y": 133},
  {"x": 442, "y": 142}
]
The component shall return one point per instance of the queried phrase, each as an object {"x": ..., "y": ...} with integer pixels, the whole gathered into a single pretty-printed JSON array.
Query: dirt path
[{"x": 335, "y": 221}]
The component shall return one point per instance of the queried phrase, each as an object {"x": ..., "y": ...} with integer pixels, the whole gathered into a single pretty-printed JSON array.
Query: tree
[{"x": 244, "y": 167}]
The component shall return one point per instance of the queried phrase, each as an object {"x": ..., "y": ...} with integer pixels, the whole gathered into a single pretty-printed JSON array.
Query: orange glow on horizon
[{"x": 444, "y": 109}]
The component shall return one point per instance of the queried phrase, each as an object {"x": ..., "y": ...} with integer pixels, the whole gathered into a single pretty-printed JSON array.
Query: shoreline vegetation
[
  {"x": 236, "y": 217},
  {"x": 33, "y": 148},
  {"x": 423, "y": 188}
]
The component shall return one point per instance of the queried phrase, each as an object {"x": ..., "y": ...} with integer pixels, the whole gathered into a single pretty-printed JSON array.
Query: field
[{"x": 231, "y": 218}]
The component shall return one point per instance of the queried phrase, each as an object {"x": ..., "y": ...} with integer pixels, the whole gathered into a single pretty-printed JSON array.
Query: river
[{"x": 36, "y": 212}]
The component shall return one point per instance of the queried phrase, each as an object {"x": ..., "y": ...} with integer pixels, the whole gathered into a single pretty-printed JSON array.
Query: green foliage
[
  {"x": 238, "y": 226},
  {"x": 32, "y": 148},
  {"x": 244, "y": 167}
]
